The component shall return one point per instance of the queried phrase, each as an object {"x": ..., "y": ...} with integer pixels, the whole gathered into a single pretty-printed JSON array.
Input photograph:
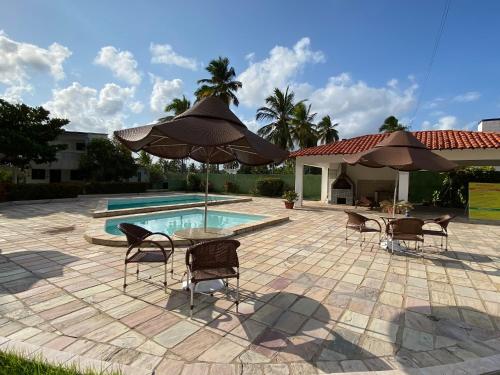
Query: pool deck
[{"x": 312, "y": 303}]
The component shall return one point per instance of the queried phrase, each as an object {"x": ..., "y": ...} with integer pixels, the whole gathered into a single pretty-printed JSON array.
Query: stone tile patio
[{"x": 312, "y": 303}]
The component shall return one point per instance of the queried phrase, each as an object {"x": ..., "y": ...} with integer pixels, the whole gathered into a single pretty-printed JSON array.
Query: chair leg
[
  {"x": 137, "y": 272},
  {"x": 191, "y": 306},
  {"x": 446, "y": 247},
  {"x": 172, "y": 265},
  {"x": 125, "y": 278},
  {"x": 346, "y": 234},
  {"x": 165, "y": 278},
  {"x": 237, "y": 292}
]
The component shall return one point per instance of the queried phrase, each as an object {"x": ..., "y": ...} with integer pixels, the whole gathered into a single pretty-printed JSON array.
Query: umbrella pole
[
  {"x": 206, "y": 195},
  {"x": 395, "y": 194}
]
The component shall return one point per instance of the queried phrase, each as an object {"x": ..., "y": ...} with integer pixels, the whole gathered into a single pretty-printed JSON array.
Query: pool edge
[{"x": 96, "y": 234}]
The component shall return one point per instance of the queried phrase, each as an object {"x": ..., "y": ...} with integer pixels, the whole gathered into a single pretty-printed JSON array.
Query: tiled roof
[{"x": 433, "y": 139}]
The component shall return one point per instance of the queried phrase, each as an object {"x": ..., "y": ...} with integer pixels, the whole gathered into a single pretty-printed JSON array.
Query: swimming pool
[
  {"x": 134, "y": 205},
  {"x": 172, "y": 221},
  {"x": 124, "y": 203}
]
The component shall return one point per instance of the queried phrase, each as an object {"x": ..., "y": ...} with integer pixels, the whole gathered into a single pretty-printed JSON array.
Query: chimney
[{"x": 489, "y": 125}]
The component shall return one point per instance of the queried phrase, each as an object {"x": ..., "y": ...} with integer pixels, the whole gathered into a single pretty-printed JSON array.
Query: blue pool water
[
  {"x": 172, "y": 221},
  {"x": 120, "y": 204}
]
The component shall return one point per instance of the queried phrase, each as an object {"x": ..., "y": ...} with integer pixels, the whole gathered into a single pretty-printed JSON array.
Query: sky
[{"x": 107, "y": 65}]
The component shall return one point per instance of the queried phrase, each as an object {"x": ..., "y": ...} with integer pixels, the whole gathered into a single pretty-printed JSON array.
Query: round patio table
[{"x": 196, "y": 235}]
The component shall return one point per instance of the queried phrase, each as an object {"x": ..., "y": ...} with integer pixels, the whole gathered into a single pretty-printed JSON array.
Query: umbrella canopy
[
  {"x": 209, "y": 132},
  {"x": 401, "y": 151}
]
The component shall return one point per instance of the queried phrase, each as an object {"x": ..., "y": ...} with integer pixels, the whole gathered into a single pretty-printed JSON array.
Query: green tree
[
  {"x": 391, "y": 124},
  {"x": 27, "y": 135},
  {"x": 175, "y": 108},
  {"x": 107, "y": 160},
  {"x": 302, "y": 126},
  {"x": 279, "y": 111},
  {"x": 221, "y": 82},
  {"x": 326, "y": 130},
  {"x": 144, "y": 159}
]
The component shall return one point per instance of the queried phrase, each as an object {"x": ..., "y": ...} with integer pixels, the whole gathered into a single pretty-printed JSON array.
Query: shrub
[
  {"x": 230, "y": 187},
  {"x": 210, "y": 186},
  {"x": 454, "y": 191},
  {"x": 193, "y": 182},
  {"x": 290, "y": 196},
  {"x": 269, "y": 187},
  {"x": 21, "y": 192},
  {"x": 115, "y": 187}
]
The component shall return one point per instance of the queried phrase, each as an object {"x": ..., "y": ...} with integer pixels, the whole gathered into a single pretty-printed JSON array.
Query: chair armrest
[
  {"x": 376, "y": 221},
  {"x": 164, "y": 235},
  {"x": 155, "y": 243}
]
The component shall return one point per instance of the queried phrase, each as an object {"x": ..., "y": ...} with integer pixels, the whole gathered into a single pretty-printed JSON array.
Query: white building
[
  {"x": 66, "y": 167},
  {"x": 489, "y": 125},
  {"x": 343, "y": 184}
]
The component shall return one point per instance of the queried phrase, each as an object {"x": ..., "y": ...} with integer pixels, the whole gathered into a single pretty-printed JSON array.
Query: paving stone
[
  {"x": 417, "y": 340},
  {"x": 290, "y": 322},
  {"x": 175, "y": 334},
  {"x": 223, "y": 352},
  {"x": 169, "y": 367},
  {"x": 196, "y": 344}
]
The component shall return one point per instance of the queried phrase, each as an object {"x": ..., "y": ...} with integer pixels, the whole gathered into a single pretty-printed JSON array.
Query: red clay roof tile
[{"x": 433, "y": 139}]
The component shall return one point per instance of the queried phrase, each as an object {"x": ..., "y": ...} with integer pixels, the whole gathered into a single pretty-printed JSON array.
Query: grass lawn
[{"x": 13, "y": 364}]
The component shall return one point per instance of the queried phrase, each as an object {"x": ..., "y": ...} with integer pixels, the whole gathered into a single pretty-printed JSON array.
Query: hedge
[
  {"x": 269, "y": 187},
  {"x": 22, "y": 192},
  {"x": 115, "y": 187}
]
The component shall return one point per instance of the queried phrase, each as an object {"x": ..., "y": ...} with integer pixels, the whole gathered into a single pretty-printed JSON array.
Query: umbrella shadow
[{"x": 21, "y": 270}]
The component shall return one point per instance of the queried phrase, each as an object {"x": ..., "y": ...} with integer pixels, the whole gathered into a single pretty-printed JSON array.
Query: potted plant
[{"x": 290, "y": 197}]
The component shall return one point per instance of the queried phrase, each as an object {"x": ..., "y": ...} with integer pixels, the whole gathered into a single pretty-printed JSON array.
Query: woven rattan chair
[
  {"x": 137, "y": 238},
  {"x": 442, "y": 222},
  {"x": 406, "y": 229},
  {"x": 357, "y": 223},
  {"x": 213, "y": 260}
]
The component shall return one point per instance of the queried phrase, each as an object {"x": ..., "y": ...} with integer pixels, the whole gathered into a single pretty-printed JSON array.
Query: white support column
[
  {"x": 404, "y": 186},
  {"x": 299, "y": 181},
  {"x": 324, "y": 184}
]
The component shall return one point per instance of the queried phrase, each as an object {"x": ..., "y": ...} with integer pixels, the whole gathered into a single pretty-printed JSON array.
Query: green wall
[{"x": 246, "y": 182}]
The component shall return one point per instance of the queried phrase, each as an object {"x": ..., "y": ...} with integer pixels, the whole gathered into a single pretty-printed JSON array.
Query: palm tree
[
  {"x": 279, "y": 111},
  {"x": 221, "y": 83},
  {"x": 302, "y": 127},
  {"x": 391, "y": 124},
  {"x": 176, "y": 106},
  {"x": 326, "y": 130}
]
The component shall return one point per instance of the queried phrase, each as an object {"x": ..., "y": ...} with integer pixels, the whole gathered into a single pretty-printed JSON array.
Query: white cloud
[
  {"x": 393, "y": 83},
  {"x": 165, "y": 54},
  {"x": 121, "y": 63},
  {"x": 163, "y": 92},
  {"x": 443, "y": 123},
  {"x": 358, "y": 107},
  {"x": 18, "y": 61},
  {"x": 90, "y": 109},
  {"x": 278, "y": 70},
  {"x": 136, "y": 107},
  {"x": 470, "y": 96}
]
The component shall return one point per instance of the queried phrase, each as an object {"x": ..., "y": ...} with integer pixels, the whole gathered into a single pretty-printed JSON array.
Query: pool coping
[
  {"x": 96, "y": 234},
  {"x": 102, "y": 211}
]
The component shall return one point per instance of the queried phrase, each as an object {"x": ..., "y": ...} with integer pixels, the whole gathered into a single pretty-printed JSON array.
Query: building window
[
  {"x": 76, "y": 175},
  {"x": 80, "y": 146},
  {"x": 38, "y": 174}
]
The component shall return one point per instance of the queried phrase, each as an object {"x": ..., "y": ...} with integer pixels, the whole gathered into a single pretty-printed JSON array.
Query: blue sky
[{"x": 112, "y": 64}]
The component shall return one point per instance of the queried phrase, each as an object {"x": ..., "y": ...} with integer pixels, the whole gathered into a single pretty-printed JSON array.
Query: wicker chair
[
  {"x": 357, "y": 223},
  {"x": 213, "y": 260},
  {"x": 406, "y": 229},
  {"x": 137, "y": 238},
  {"x": 442, "y": 222}
]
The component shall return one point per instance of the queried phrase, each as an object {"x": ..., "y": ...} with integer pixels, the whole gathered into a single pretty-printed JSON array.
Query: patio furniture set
[
  {"x": 399, "y": 229},
  {"x": 213, "y": 258}
]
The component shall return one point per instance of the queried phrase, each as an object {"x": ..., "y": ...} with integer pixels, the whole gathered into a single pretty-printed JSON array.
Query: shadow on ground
[{"x": 21, "y": 270}]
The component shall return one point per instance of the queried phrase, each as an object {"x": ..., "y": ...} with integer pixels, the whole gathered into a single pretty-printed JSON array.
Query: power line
[{"x": 435, "y": 48}]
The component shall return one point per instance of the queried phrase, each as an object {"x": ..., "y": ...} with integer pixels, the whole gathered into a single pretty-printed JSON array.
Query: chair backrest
[
  {"x": 354, "y": 218},
  {"x": 213, "y": 254},
  {"x": 407, "y": 225},
  {"x": 134, "y": 233},
  {"x": 444, "y": 220}
]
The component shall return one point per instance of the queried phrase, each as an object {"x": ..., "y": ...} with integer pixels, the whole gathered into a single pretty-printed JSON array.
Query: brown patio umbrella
[
  {"x": 403, "y": 152},
  {"x": 209, "y": 133}
]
